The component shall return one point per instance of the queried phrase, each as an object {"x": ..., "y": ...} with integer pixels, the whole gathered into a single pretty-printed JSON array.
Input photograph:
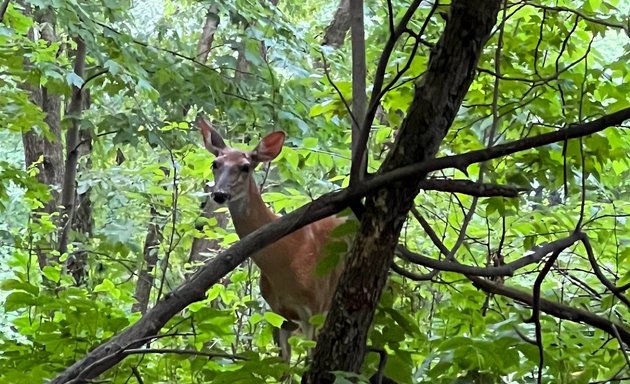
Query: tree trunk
[
  {"x": 35, "y": 145},
  {"x": 207, "y": 34},
  {"x": 359, "y": 73},
  {"x": 438, "y": 96},
  {"x": 336, "y": 31},
  {"x": 150, "y": 253},
  {"x": 68, "y": 193},
  {"x": 83, "y": 223}
]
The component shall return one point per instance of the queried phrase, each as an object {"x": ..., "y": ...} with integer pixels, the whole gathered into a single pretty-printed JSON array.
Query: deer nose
[{"x": 221, "y": 197}]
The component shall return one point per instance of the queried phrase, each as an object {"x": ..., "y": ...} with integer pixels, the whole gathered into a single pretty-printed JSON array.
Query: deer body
[{"x": 288, "y": 282}]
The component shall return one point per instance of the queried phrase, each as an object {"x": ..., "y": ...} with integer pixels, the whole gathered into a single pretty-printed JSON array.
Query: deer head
[{"x": 233, "y": 168}]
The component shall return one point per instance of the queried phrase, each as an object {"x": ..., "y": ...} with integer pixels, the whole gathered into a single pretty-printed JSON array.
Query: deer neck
[{"x": 251, "y": 213}]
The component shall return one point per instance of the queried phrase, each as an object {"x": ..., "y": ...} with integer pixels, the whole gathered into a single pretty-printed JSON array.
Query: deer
[{"x": 288, "y": 282}]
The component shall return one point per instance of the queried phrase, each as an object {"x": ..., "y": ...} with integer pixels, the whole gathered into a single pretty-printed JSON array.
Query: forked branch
[{"x": 379, "y": 78}]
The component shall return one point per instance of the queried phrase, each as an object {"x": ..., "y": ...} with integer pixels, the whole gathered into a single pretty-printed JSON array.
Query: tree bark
[
  {"x": 68, "y": 193},
  {"x": 335, "y": 33},
  {"x": 207, "y": 34},
  {"x": 359, "y": 73},
  {"x": 83, "y": 223},
  {"x": 438, "y": 96},
  {"x": 35, "y": 145},
  {"x": 150, "y": 254}
]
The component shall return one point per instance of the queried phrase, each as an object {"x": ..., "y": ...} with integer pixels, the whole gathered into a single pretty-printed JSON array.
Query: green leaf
[
  {"x": 17, "y": 300},
  {"x": 274, "y": 319},
  {"x": 106, "y": 286},
  {"x": 52, "y": 273},
  {"x": 309, "y": 142},
  {"x": 16, "y": 285}
]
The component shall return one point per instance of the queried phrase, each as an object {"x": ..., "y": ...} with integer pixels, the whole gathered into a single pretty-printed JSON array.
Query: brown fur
[{"x": 288, "y": 282}]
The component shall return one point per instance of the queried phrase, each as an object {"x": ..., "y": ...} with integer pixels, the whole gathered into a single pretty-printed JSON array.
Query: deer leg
[
  {"x": 308, "y": 330},
  {"x": 281, "y": 337}
]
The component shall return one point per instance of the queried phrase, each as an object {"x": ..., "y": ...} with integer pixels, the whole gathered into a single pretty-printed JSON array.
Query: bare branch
[
  {"x": 411, "y": 275},
  {"x": 508, "y": 269},
  {"x": 598, "y": 272},
  {"x": 93, "y": 76},
  {"x": 193, "y": 352},
  {"x": 536, "y": 309},
  {"x": 172, "y": 52},
  {"x": 462, "y": 161},
  {"x": 583, "y": 15},
  {"x": 336, "y": 88},
  {"x": 171, "y": 238},
  {"x": 623, "y": 350},
  {"x": 136, "y": 374},
  {"x": 558, "y": 310}
]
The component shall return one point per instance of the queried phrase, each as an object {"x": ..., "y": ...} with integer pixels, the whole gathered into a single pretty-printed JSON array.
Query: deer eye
[{"x": 245, "y": 168}]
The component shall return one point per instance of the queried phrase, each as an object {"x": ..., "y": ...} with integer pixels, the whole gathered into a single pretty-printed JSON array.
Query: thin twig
[
  {"x": 582, "y": 15},
  {"x": 93, "y": 76},
  {"x": 508, "y": 269},
  {"x": 175, "y": 198},
  {"x": 136, "y": 374},
  {"x": 535, "y": 318},
  {"x": 598, "y": 272},
  {"x": 343, "y": 99},
  {"x": 620, "y": 341}
]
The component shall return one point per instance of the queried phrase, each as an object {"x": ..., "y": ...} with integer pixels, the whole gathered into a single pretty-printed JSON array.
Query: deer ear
[
  {"x": 269, "y": 147},
  {"x": 211, "y": 138}
]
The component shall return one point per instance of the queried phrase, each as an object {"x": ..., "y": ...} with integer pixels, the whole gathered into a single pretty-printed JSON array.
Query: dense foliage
[{"x": 547, "y": 65}]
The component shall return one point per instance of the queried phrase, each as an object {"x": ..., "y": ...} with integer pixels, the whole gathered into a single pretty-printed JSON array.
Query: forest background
[{"x": 509, "y": 262}]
